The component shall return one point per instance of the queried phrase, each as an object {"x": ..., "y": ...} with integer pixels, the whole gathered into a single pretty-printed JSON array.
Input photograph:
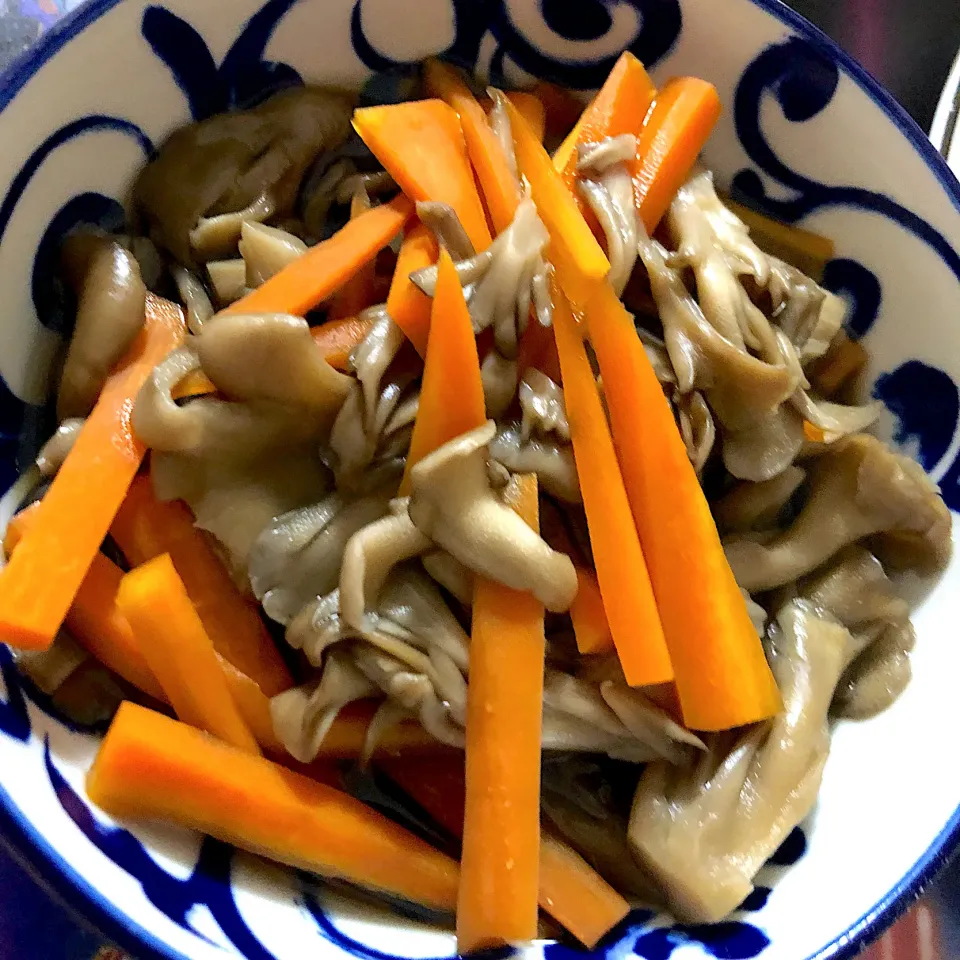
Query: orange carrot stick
[
  {"x": 146, "y": 527},
  {"x": 556, "y": 205},
  {"x": 420, "y": 145},
  {"x": 357, "y": 293},
  {"x": 41, "y": 580},
  {"x": 680, "y": 121},
  {"x": 323, "y": 269},
  {"x": 497, "y": 182},
  {"x": 561, "y": 108},
  {"x": 722, "y": 675},
  {"x": 571, "y": 891},
  {"x": 500, "y": 859},
  {"x": 590, "y": 626},
  {"x": 451, "y": 393},
  {"x": 93, "y": 617},
  {"x": 152, "y": 767},
  {"x": 338, "y": 338},
  {"x": 575, "y": 895},
  {"x": 180, "y": 654},
  {"x": 619, "y": 107},
  {"x": 621, "y": 568},
  {"x": 532, "y": 109},
  {"x": 408, "y": 306}
]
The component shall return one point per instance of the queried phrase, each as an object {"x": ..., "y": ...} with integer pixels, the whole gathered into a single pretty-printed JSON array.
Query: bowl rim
[{"x": 31, "y": 849}]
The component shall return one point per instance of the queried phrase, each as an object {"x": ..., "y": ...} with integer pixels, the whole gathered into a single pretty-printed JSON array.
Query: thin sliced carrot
[
  {"x": 571, "y": 891},
  {"x": 451, "y": 392},
  {"x": 311, "y": 278},
  {"x": 680, "y": 121},
  {"x": 497, "y": 182},
  {"x": 590, "y": 626},
  {"x": 173, "y": 642},
  {"x": 337, "y": 339},
  {"x": 358, "y": 292},
  {"x": 409, "y": 307},
  {"x": 93, "y": 618},
  {"x": 619, "y": 107},
  {"x": 146, "y": 527},
  {"x": 722, "y": 676},
  {"x": 41, "y": 580},
  {"x": 532, "y": 109},
  {"x": 499, "y": 863},
  {"x": 152, "y": 767},
  {"x": 561, "y": 108},
  {"x": 421, "y": 145},
  {"x": 575, "y": 895},
  {"x": 621, "y": 568},
  {"x": 556, "y": 205}
]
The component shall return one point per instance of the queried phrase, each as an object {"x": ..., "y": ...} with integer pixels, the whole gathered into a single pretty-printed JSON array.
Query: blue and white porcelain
[{"x": 805, "y": 134}]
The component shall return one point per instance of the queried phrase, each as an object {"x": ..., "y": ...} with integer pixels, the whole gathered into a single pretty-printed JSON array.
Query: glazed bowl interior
[{"x": 805, "y": 135}]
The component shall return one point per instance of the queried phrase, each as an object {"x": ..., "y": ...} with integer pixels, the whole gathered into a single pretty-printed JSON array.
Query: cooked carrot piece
[
  {"x": 680, "y": 121},
  {"x": 619, "y": 107},
  {"x": 499, "y": 863},
  {"x": 152, "y": 767},
  {"x": 532, "y": 109},
  {"x": 337, "y": 339},
  {"x": 555, "y": 203},
  {"x": 621, "y": 568},
  {"x": 589, "y": 618},
  {"x": 722, "y": 676},
  {"x": 571, "y": 891},
  {"x": 322, "y": 270},
  {"x": 173, "y": 642},
  {"x": 451, "y": 392},
  {"x": 421, "y": 145},
  {"x": 497, "y": 182},
  {"x": 41, "y": 580},
  {"x": 409, "y": 307},
  {"x": 358, "y": 292},
  {"x": 146, "y": 527}
]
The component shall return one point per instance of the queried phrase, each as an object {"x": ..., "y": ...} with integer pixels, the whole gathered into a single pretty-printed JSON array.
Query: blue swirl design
[
  {"x": 242, "y": 80},
  {"x": 659, "y": 25},
  {"x": 804, "y": 80},
  {"x": 14, "y": 719}
]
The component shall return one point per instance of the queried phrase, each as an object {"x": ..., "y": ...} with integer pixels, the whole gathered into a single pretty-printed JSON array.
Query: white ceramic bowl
[{"x": 805, "y": 131}]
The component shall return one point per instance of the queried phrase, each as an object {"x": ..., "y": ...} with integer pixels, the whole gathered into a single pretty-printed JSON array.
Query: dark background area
[{"x": 908, "y": 45}]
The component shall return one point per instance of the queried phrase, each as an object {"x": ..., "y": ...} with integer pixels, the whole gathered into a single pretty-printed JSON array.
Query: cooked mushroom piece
[
  {"x": 57, "y": 448},
  {"x": 704, "y": 832},
  {"x": 110, "y": 311},
  {"x": 755, "y": 506},
  {"x": 271, "y": 357},
  {"x": 371, "y": 553},
  {"x": 228, "y": 279},
  {"x": 193, "y": 296},
  {"x": 858, "y": 488},
  {"x": 266, "y": 251},
  {"x": 454, "y": 505},
  {"x": 541, "y": 401},
  {"x": 302, "y": 716},
  {"x": 299, "y": 555},
  {"x": 208, "y": 427},
  {"x": 216, "y": 237},
  {"x": 499, "y": 378},
  {"x": 875, "y": 679},
  {"x": 233, "y": 159},
  {"x": 552, "y": 462},
  {"x": 450, "y": 573}
]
